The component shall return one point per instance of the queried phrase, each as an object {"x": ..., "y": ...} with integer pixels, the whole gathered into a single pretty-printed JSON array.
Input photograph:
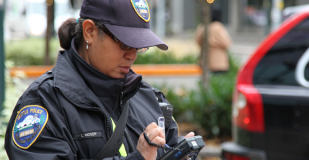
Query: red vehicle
[{"x": 270, "y": 115}]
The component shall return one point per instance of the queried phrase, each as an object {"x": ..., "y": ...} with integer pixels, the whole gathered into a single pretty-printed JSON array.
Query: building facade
[{"x": 237, "y": 15}]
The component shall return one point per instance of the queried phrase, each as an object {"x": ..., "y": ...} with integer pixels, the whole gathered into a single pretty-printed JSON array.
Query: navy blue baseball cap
[{"x": 128, "y": 20}]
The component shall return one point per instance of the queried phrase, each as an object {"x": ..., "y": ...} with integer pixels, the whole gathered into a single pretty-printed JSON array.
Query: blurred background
[{"x": 29, "y": 41}]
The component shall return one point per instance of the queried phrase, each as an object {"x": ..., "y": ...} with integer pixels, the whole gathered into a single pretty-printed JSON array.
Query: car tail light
[
  {"x": 230, "y": 156},
  {"x": 248, "y": 111}
]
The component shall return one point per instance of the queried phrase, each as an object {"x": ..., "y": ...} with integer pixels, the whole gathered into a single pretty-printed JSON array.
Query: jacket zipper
[
  {"x": 126, "y": 133},
  {"x": 133, "y": 92},
  {"x": 129, "y": 139},
  {"x": 133, "y": 130},
  {"x": 121, "y": 95},
  {"x": 126, "y": 100}
]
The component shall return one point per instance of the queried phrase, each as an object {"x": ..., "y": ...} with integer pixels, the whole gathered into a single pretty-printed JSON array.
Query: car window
[{"x": 278, "y": 65}]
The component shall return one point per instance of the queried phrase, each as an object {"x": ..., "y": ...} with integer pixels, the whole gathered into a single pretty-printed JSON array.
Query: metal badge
[{"x": 161, "y": 123}]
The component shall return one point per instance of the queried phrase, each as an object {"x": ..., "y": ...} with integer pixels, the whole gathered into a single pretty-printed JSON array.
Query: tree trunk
[
  {"x": 204, "y": 49},
  {"x": 49, "y": 30}
]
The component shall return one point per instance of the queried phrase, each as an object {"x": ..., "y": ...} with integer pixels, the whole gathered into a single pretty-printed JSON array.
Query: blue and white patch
[
  {"x": 142, "y": 9},
  {"x": 29, "y": 123}
]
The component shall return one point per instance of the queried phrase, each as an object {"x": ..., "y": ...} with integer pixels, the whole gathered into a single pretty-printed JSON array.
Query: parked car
[
  {"x": 270, "y": 115},
  {"x": 289, "y": 11},
  {"x": 14, "y": 19}
]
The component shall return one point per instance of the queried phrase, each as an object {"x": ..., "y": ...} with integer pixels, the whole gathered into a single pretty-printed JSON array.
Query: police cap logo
[
  {"x": 29, "y": 123},
  {"x": 142, "y": 9}
]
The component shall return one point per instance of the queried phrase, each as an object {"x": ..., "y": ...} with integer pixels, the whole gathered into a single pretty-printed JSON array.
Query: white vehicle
[
  {"x": 14, "y": 20},
  {"x": 28, "y": 17},
  {"x": 36, "y": 12},
  {"x": 36, "y": 17},
  {"x": 288, "y": 11}
]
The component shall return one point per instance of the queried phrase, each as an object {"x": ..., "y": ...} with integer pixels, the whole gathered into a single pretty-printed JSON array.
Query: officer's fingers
[
  {"x": 158, "y": 140},
  {"x": 155, "y": 132},
  {"x": 150, "y": 127},
  {"x": 191, "y": 134}
]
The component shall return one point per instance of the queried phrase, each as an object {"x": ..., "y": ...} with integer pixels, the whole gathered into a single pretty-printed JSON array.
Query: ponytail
[
  {"x": 70, "y": 29},
  {"x": 66, "y": 32}
]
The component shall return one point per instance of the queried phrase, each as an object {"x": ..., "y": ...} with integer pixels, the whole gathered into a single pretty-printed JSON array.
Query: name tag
[{"x": 90, "y": 134}]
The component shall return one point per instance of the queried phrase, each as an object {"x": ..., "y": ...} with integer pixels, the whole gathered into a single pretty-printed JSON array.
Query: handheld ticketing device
[{"x": 187, "y": 148}]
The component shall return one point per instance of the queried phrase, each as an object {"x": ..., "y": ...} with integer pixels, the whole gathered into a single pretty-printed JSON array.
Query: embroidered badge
[
  {"x": 29, "y": 123},
  {"x": 142, "y": 9}
]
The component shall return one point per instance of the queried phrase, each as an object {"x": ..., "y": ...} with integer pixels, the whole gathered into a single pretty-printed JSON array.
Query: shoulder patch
[
  {"x": 142, "y": 9},
  {"x": 29, "y": 123}
]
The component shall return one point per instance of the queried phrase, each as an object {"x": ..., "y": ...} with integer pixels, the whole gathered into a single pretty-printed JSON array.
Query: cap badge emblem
[
  {"x": 29, "y": 123},
  {"x": 142, "y": 9}
]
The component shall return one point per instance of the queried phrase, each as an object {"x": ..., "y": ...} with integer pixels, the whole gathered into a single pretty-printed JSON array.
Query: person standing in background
[{"x": 219, "y": 42}]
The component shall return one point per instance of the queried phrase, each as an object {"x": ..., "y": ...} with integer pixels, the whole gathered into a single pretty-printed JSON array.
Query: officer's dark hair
[{"x": 71, "y": 28}]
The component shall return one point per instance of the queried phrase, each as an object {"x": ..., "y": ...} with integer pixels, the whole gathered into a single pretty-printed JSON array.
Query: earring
[{"x": 87, "y": 45}]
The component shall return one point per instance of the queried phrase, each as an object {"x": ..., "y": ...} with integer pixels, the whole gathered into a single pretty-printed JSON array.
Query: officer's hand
[
  {"x": 156, "y": 135},
  {"x": 191, "y": 134}
]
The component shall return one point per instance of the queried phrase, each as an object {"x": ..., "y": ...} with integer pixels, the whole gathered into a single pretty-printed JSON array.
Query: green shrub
[
  {"x": 14, "y": 87},
  {"x": 209, "y": 107},
  {"x": 156, "y": 56},
  {"x": 30, "y": 51}
]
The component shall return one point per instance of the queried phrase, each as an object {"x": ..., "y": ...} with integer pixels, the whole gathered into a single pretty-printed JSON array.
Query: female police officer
[{"x": 70, "y": 112}]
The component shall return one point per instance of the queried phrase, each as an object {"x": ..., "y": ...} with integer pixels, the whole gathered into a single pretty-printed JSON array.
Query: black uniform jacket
[{"x": 74, "y": 111}]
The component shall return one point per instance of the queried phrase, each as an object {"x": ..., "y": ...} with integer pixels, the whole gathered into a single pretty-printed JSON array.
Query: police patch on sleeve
[
  {"x": 142, "y": 9},
  {"x": 29, "y": 123}
]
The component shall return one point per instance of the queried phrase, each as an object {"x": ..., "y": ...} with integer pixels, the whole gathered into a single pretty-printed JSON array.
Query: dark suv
[{"x": 270, "y": 115}]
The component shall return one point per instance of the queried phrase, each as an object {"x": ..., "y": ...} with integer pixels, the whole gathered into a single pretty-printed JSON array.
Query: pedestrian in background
[{"x": 219, "y": 41}]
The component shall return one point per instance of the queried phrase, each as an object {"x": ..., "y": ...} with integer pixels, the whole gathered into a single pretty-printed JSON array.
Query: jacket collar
[
  {"x": 99, "y": 83},
  {"x": 68, "y": 80},
  {"x": 70, "y": 83}
]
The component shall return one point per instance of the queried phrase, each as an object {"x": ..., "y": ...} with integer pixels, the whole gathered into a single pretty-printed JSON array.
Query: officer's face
[{"x": 106, "y": 55}]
